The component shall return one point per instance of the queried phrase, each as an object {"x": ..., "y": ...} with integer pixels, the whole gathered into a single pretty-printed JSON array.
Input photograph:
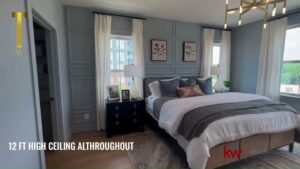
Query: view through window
[
  {"x": 216, "y": 59},
  {"x": 290, "y": 76},
  {"x": 121, "y": 54}
]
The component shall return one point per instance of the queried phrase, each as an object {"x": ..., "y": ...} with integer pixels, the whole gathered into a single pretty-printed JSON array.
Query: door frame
[{"x": 53, "y": 69}]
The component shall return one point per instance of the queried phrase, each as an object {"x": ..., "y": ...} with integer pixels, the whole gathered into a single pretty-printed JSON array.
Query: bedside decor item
[
  {"x": 133, "y": 71},
  {"x": 158, "y": 50},
  {"x": 124, "y": 117},
  {"x": 113, "y": 92},
  {"x": 227, "y": 84},
  {"x": 215, "y": 70},
  {"x": 189, "y": 52},
  {"x": 125, "y": 95}
]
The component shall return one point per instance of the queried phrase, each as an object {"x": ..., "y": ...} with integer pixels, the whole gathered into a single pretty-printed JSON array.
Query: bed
[{"x": 237, "y": 133}]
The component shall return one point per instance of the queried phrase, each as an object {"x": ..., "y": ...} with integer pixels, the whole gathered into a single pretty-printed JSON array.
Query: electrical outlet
[{"x": 86, "y": 116}]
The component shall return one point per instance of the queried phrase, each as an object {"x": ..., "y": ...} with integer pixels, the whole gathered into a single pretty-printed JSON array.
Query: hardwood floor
[
  {"x": 89, "y": 159},
  {"x": 102, "y": 159}
]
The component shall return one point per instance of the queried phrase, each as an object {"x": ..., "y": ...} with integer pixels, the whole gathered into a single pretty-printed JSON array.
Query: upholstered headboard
[{"x": 148, "y": 80}]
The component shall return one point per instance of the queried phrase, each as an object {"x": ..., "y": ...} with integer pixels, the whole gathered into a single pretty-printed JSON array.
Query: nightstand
[{"x": 124, "y": 116}]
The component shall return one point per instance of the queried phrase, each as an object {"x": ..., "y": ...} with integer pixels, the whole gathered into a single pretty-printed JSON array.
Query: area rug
[{"x": 156, "y": 150}]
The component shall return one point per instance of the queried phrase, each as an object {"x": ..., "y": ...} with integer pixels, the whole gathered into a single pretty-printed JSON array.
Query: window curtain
[
  {"x": 207, "y": 52},
  {"x": 137, "y": 32},
  {"x": 270, "y": 61},
  {"x": 102, "y": 51},
  {"x": 225, "y": 56}
]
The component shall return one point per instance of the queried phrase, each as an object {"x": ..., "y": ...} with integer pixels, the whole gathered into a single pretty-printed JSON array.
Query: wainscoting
[{"x": 80, "y": 39}]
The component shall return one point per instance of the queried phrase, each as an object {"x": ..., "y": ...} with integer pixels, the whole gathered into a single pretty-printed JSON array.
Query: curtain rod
[
  {"x": 294, "y": 12},
  {"x": 217, "y": 28},
  {"x": 126, "y": 16}
]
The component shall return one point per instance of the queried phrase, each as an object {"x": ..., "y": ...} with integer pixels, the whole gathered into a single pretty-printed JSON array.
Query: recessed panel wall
[{"x": 80, "y": 36}]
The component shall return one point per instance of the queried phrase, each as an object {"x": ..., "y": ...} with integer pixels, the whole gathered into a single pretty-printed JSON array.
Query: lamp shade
[
  {"x": 215, "y": 70},
  {"x": 133, "y": 71}
]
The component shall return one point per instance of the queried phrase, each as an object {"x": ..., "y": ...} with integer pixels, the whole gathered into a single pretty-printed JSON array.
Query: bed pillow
[
  {"x": 205, "y": 85},
  {"x": 168, "y": 87},
  {"x": 155, "y": 89},
  {"x": 185, "y": 82},
  {"x": 190, "y": 91}
]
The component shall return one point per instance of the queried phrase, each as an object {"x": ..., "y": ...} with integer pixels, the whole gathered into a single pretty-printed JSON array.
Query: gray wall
[
  {"x": 80, "y": 37},
  {"x": 245, "y": 58},
  {"x": 53, "y": 12},
  {"x": 175, "y": 33},
  {"x": 18, "y": 120}
]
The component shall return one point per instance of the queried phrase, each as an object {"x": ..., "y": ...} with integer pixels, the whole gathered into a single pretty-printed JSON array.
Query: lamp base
[
  {"x": 134, "y": 93},
  {"x": 218, "y": 86}
]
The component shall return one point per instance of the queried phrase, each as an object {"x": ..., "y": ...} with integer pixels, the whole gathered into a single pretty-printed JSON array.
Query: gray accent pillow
[
  {"x": 168, "y": 88},
  {"x": 205, "y": 85},
  {"x": 186, "y": 82}
]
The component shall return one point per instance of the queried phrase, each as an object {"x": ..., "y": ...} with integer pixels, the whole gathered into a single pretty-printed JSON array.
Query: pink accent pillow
[{"x": 189, "y": 91}]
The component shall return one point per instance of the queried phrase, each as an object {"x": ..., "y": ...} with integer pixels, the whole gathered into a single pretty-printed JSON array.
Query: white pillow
[{"x": 155, "y": 89}]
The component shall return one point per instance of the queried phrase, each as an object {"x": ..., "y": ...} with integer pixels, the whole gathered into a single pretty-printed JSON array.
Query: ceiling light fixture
[{"x": 248, "y": 5}]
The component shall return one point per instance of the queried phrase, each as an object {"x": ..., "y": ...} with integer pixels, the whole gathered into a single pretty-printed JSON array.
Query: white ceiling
[{"x": 210, "y": 12}]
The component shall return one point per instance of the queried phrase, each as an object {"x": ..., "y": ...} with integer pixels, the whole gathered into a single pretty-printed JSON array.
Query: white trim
[{"x": 35, "y": 82}]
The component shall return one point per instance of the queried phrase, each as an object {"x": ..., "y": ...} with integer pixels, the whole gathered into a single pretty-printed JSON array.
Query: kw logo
[{"x": 228, "y": 153}]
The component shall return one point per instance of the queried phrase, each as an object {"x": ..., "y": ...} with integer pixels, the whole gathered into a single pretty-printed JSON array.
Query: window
[
  {"x": 216, "y": 54},
  {"x": 216, "y": 60},
  {"x": 290, "y": 73},
  {"x": 121, "y": 54}
]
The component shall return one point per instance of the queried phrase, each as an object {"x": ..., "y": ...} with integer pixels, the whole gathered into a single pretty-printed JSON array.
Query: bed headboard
[{"x": 148, "y": 80}]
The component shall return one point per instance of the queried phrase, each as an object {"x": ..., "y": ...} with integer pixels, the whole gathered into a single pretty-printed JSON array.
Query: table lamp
[
  {"x": 133, "y": 71},
  {"x": 215, "y": 70}
]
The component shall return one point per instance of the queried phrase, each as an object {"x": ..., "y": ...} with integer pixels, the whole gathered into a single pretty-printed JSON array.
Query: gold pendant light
[{"x": 248, "y": 5}]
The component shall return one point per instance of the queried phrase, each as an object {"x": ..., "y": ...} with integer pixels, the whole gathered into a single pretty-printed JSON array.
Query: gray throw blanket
[
  {"x": 195, "y": 122},
  {"x": 158, "y": 103}
]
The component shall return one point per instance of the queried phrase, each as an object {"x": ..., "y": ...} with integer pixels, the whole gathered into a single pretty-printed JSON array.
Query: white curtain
[
  {"x": 225, "y": 56},
  {"x": 270, "y": 61},
  {"x": 137, "y": 32},
  {"x": 207, "y": 52},
  {"x": 102, "y": 51}
]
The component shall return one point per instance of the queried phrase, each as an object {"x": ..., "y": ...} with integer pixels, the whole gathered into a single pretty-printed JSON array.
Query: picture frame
[
  {"x": 125, "y": 95},
  {"x": 158, "y": 50},
  {"x": 189, "y": 52},
  {"x": 113, "y": 92}
]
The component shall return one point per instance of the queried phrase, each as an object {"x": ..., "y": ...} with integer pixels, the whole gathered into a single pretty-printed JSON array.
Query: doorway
[{"x": 44, "y": 81}]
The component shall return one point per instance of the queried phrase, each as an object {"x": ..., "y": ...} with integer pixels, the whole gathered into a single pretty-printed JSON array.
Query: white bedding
[
  {"x": 149, "y": 105},
  {"x": 224, "y": 130}
]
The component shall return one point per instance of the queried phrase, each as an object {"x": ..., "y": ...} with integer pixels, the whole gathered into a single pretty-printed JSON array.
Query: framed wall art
[
  {"x": 158, "y": 50},
  {"x": 189, "y": 52}
]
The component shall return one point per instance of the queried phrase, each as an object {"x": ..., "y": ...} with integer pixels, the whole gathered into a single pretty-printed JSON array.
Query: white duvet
[{"x": 224, "y": 130}]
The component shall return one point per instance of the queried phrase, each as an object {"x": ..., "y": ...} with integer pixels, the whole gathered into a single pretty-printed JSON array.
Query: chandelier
[{"x": 248, "y": 5}]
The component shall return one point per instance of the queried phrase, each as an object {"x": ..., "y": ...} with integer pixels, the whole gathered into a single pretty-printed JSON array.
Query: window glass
[
  {"x": 290, "y": 75},
  {"x": 121, "y": 54},
  {"x": 216, "y": 54}
]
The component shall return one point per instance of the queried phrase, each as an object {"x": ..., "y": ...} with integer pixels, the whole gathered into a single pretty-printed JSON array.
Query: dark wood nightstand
[{"x": 124, "y": 116}]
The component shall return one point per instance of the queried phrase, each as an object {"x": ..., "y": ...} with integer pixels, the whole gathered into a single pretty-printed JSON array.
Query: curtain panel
[
  {"x": 270, "y": 61},
  {"x": 137, "y": 32},
  {"x": 102, "y": 52},
  {"x": 207, "y": 52},
  {"x": 225, "y": 56}
]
